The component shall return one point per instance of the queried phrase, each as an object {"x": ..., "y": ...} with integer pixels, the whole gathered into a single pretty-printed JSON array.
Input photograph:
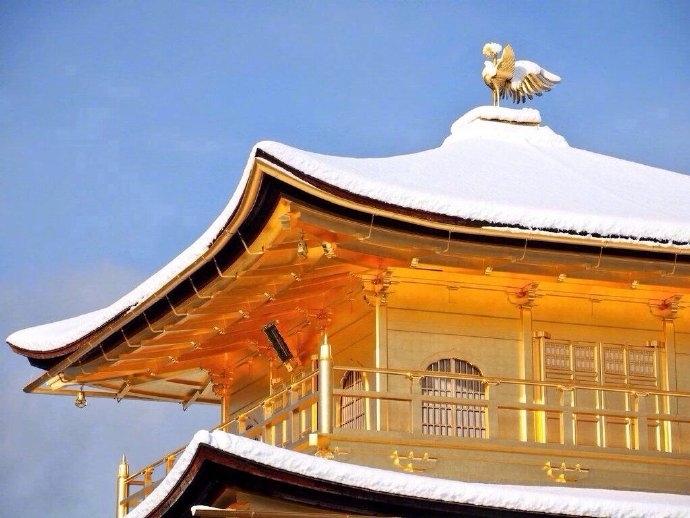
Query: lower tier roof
[{"x": 216, "y": 461}]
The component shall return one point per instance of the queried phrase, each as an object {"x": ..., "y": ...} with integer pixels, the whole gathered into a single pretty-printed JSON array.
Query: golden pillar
[
  {"x": 221, "y": 383},
  {"x": 225, "y": 412},
  {"x": 669, "y": 380},
  {"x": 122, "y": 488},
  {"x": 381, "y": 362},
  {"x": 325, "y": 387},
  {"x": 524, "y": 299},
  {"x": 667, "y": 310}
]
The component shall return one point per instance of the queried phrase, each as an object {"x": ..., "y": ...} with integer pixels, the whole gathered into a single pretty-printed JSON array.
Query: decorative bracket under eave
[
  {"x": 524, "y": 297},
  {"x": 666, "y": 309}
]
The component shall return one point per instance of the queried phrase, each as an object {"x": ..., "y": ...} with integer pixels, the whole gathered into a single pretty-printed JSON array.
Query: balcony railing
[
  {"x": 284, "y": 419},
  {"x": 570, "y": 414},
  {"x": 574, "y": 415}
]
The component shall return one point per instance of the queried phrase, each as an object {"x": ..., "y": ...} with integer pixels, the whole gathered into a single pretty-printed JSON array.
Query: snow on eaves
[
  {"x": 498, "y": 167},
  {"x": 545, "y": 499}
]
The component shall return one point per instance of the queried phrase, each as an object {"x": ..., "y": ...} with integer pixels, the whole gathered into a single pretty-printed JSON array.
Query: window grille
[
  {"x": 352, "y": 408},
  {"x": 557, "y": 356},
  {"x": 614, "y": 362},
  {"x": 451, "y": 419},
  {"x": 585, "y": 358},
  {"x": 601, "y": 362},
  {"x": 641, "y": 363}
]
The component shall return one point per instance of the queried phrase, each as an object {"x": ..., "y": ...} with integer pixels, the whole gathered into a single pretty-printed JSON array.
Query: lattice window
[
  {"x": 619, "y": 364},
  {"x": 557, "y": 356},
  {"x": 614, "y": 361},
  {"x": 352, "y": 408},
  {"x": 452, "y": 419},
  {"x": 641, "y": 363},
  {"x": 585, "y": 358}
]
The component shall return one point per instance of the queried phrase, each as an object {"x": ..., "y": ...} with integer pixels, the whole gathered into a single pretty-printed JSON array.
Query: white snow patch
[
  {"x": 502, "y": 125},
  {"x": 524, "y": 68},
  {"x": 498, "y": 113},
  {"x": 546, "y": 499}
]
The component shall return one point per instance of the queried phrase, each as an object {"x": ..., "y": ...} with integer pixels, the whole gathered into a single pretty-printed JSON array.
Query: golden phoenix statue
[{"x": 517, "y": 80}]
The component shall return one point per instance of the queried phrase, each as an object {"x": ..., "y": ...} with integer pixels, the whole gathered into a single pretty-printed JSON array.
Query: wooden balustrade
[{"x": 640, "y": 412}]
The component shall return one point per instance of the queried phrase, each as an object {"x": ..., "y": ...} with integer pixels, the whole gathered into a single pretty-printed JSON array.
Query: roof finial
[{"x": 518, "y": 80}]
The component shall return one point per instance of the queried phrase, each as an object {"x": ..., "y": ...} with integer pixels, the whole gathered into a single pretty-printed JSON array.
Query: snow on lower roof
[
  {"x": 498, "y": 167},
  {"x": 546, "y": 499}
]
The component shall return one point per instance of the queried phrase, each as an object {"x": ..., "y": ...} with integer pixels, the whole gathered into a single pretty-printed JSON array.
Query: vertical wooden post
[
  {"x": 381, "y": 381},
  {"x": 294, "y": 417},
  {"x": 525, "y": 370},
  {"x": 492, "y": 411},
  {"x": 668, "y": 310},
  {"x": 524, "y": 299},
  {"x": 368, "y": 412},
  {"x": 641, "y": 427},
  {"x": 221, "y": 383},
  {"x": 268, "y": 432},
  {"x": 668, "y": 368},
  {"x": 169, "y": 463},
  {"x": 242, "y": 424},
  {"x": 122, "y": 488},
  {"x": 416, "y": 410},
  {"x": 148, "y": 480},
  {"x": 325, "y": 421},
  {"x": 538, "y": 372},
  {"x": 567, "y": 420},
  {"x": 225, "y": 412}
]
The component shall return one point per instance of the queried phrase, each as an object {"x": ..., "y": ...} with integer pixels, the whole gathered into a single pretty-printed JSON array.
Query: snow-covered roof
[
  {"x": 501, "y": 168},
  {"x": 545, "y": 499},
  {"x": 498, "y": 168}
]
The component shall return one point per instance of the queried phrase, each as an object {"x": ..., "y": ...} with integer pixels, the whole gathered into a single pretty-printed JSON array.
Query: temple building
[{"x": 497, "y": 325}]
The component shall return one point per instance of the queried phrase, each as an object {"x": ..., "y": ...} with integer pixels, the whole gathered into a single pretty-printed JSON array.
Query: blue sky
[{"x": 124, "y": 128}]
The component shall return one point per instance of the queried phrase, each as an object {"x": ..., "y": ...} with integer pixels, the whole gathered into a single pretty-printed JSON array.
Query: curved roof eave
[
  {"x": 212, "y": 469},
  {"x": 60, "y": 339},
  {"x": 471, "y": 225},
  {"x": 348, "y": 182},
  {"x": 531, "y": 185},
  {"x": 63, "y": 342}
]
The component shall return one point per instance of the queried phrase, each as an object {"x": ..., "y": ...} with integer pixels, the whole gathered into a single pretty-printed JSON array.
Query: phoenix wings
[{"x": 517, "y": 80}]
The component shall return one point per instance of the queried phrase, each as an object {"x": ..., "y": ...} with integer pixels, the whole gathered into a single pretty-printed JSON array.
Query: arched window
[
  {"x": 446, "y": 418},
  {"x": 352, "y": 408}
]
